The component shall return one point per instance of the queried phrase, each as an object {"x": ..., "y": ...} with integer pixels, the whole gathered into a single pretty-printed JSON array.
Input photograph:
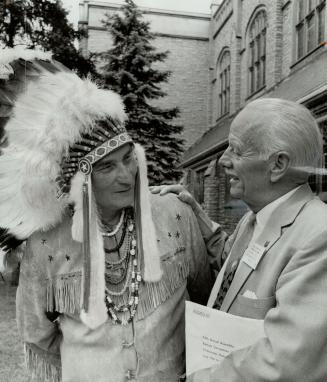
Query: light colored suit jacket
[{"x": 290, "y": 284}]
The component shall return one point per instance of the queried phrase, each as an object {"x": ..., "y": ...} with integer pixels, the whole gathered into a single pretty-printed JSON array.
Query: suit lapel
[{"x": 283, "y": 216}]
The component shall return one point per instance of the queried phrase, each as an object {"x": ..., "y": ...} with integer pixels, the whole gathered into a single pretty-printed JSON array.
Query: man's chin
[{"x": 235, "y": 193}]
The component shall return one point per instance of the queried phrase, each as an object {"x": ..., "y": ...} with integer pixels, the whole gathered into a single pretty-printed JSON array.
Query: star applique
[
  {"x": 178, "y": 217},
  {"x": 67, "y": 257},
  {"x": 177, "y": 234},
  {"x": 50, "y": 258},
  {"x": 169, "y": 234},
  {"x": 43, "y": 242}
]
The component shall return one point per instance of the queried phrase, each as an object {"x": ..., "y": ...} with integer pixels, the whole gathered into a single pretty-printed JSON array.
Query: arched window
[
  {"x": 310, "y": 25},
  {"x": 224, "y": 83},
  {"x": 257, "y": 52}
]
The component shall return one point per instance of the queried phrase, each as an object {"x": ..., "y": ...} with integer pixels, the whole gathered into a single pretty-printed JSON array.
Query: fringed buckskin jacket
[{"x": 151, "y": 348}]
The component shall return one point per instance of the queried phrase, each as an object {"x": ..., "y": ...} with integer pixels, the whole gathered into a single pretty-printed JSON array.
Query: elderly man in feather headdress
[{"x": 107, "y": 266}]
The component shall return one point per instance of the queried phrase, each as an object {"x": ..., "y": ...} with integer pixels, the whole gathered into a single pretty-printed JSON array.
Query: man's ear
[{"x": 279, "y": 165}]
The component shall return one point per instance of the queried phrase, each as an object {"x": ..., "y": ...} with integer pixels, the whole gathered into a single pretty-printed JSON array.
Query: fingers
[
  {"x": 155, "y": 189},
  {"x": 166, "y": 189}
]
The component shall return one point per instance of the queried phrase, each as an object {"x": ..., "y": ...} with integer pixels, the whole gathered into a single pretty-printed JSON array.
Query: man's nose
[
  {"x": 225, "y": 160},
  {"x": 124, "y": 173}
]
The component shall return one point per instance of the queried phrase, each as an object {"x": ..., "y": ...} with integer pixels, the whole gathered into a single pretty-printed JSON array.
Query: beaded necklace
[
  {"x": 117, "y": 228},
  {"x": 134, "y": 271}
]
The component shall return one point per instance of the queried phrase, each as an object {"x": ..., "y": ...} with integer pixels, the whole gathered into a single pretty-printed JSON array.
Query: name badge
[{"x": 253, "y": 255}]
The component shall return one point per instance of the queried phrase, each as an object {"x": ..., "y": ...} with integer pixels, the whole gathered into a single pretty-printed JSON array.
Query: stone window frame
[
  {"x": 310, "y": 26},
  {"x": 257, "y": 48},
  {"x": 223, "y": 83}
]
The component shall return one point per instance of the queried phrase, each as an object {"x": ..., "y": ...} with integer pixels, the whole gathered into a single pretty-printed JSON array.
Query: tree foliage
[
  {"x": 128, "y": 68},
  {"x": 42, "y": 23}
]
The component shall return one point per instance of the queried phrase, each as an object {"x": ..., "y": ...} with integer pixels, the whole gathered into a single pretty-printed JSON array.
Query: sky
[{"x": 202, "y": 6}]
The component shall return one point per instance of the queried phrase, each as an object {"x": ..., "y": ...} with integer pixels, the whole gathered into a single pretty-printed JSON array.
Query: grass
[{"x": 12, "y": 367}]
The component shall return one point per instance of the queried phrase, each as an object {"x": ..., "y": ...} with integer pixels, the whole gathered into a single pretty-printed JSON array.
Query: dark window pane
[
  {"x": 323, "y": 129},
  {"x": 224, "y": 76},
  {"x": 263, "y": 71},
  {"x": 321, "y": 24},
  {"x": 257, "y": 52},
  {"x": 300, "y": 41},
  {"x": 257, "y": 48},
  {"x": 311, "y": 41}
]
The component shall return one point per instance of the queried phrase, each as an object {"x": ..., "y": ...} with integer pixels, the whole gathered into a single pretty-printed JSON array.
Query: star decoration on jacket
[
  {"x": 67, "y": 257},
  {"x": 169, "y": 234},
  {"x": 50, "y": 258},
  {"x": 177, "y": 234},
  {"x": 43, "y": 242},
  {"x": 178, "y": 216}
]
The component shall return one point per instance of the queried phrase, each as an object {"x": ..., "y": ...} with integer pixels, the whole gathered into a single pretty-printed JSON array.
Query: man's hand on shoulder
[{"x": 179, "y": 190}]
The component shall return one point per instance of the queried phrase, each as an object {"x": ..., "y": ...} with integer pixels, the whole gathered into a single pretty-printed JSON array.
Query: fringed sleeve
[
  {"x": 41, "y": 337},
  {"x": 200, "y": 280}
]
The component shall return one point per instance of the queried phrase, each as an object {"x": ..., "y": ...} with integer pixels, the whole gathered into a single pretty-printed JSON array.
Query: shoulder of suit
[{"x": 315, "y": 211}]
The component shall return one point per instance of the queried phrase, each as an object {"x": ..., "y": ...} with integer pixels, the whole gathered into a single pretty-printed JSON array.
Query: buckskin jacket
[{"x": 151, "y": 348}]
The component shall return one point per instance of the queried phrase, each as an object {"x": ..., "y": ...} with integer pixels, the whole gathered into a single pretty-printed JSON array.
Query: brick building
[
  {"x": 258, "y": 48},
  {"x": 186, "y": 36}
]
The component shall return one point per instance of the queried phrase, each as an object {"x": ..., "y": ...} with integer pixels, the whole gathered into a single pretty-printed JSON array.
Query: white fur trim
[
  {"x": 97, "y": 311},
  {"x": 151, "y": 255},
  {"x": 8, "y": 55},
  {"x": 76, "y": 197},
  {"x": 2, "y": 260}
]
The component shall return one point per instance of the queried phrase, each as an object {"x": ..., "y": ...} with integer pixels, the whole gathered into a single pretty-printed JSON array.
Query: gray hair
[{"x": 288, "y": 126}]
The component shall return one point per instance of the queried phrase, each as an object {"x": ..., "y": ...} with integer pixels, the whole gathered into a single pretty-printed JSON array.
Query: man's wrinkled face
[
  {"x": 248, "y": 172},
  {"x": 114, "y": 179}
]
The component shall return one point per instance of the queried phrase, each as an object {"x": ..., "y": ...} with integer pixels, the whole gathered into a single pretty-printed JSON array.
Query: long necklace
[{"x": 136, "y": 278}]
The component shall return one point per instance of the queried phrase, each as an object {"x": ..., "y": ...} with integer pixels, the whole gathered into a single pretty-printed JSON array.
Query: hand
[
  {"x": 178, "y": 189},
  {"x": 167, "y": 188},
  {"x": 199, "y": 376}
]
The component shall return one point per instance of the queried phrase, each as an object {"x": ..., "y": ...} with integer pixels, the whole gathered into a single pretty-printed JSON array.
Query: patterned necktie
[{"x": 237, "y": 251}]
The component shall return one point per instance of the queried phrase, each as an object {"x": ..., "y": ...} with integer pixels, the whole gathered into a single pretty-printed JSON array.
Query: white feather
[
  {"x": 2, "y": 260},
  {"x": 48, "y": 117},
  {"x": 151, "y": 255},
  {"x": 76, "y": 197},
  {"x": 8, "y": 55}
]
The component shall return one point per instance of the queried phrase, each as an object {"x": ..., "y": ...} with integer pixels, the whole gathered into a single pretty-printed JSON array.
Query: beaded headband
[{"x": 106, "y": 137}]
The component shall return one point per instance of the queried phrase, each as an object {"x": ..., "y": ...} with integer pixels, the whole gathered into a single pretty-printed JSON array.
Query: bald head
[{"x": 271, "y": 125}]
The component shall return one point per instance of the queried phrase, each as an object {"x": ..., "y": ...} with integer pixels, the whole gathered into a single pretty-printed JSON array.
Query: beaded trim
[{"x": 85, "y": 164}]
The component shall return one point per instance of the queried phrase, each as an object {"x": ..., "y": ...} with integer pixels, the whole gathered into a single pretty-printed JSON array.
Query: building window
[
  {"x": 199, "y": 186},
  {"x": 257, "y": 52},
  {"x": 224, "y": 83},
  {"x": 310, "y": 25},
  {"x": 323, "y": 177},
  {"x": 318, "y": 181}
]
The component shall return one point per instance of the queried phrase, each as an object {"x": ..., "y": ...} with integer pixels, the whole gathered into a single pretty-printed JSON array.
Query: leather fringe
[
  {"x": 64, "y": 293},
  {"x": 152, "y": 295},
  {"x": 39, "y": 369}
]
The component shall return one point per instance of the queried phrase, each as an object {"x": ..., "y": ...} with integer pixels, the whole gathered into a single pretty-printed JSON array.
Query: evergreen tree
[
  {"x": 128, "y": 69},
  {"x": 42, "y": 23}
]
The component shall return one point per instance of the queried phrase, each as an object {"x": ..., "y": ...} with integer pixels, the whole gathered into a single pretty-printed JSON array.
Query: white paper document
[{"x": 211, "y": 335}]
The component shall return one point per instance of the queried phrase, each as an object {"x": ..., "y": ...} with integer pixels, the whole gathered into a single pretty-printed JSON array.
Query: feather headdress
[{"x": 54, "y": 134}]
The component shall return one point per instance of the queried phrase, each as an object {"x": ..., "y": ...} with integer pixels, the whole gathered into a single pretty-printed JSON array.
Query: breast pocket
[{"x": 252, "y": 308}]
